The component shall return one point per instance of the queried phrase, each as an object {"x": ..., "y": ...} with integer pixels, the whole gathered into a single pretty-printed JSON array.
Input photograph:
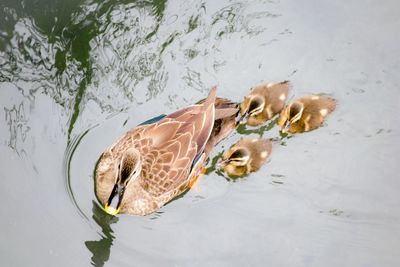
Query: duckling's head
[
  {"x": 252, "y": 106},
  {"x": 256, "y": 105},
  {"x": 235, "y": 161},
  {"x": 128, "y": 170},
  {"x": 291, "y": 114}
]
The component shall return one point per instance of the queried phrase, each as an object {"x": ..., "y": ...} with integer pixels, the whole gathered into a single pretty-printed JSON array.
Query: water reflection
[
  {"x": 94, "y": 46},
  {"x": 16, "y": 120},
  {"x": 68, "y": 65},
  {"x": 212, "y": 163},
  {"x": 37, "y": 58},
  {"x": 260, "y": 131},
  {"x": 69, "y": 154},
  {"x": 101, "y": 248}
]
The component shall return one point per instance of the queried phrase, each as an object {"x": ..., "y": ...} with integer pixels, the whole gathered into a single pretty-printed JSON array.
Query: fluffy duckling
[
  {"x": 263, "y": 102},
  {"x": 246, "y": 156},
  {"x": 306, "y": 113}
]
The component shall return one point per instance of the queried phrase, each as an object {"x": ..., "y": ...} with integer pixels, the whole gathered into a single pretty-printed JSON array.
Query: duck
[
  {"x": 245, "y": 156},
  {"x": 306, "y": 113},
  {"x": 160, "y": 159},
  {"x": 264, "y": 102}
]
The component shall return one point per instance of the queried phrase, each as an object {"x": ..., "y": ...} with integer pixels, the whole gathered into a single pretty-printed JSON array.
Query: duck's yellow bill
[{"x": 111, "y": 210}]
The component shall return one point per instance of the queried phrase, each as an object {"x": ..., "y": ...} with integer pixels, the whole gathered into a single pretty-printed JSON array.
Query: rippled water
[{"x": 75, "y": 75}]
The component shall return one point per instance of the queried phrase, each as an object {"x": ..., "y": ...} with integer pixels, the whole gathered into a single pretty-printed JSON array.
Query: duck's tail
[{"x": 210, "y": 100}]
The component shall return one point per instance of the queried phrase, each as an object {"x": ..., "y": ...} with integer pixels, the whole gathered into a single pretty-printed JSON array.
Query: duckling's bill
[
  {"x": 286, "y": 126},
  {"x": 243, "y": 118},
  {"x": 222, "y": 162}
]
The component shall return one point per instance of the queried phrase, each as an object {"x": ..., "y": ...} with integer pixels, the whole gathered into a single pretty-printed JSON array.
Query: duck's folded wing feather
[
  {"x": 184, "y": 135},
  {"x": 165, "y": 167}
]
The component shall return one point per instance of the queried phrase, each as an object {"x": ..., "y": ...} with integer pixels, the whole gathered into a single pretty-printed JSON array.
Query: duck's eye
[
  {"x": 119, "y": 169},
  {"x": 126, "y": 172}
]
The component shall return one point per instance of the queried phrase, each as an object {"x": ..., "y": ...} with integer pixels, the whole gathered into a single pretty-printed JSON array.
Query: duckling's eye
[
  {"x": 294, "y": 110},
  {"x": 236, "y": 154},
  {"x": 253, "y": 105},
  {"x": 292, "y": 113}
]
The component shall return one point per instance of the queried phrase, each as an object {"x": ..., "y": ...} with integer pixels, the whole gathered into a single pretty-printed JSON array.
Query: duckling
[
  {"x": 306, "y": 113},
  {"x": 263, "y": 102},
  {"x": 246, "y": 156}
]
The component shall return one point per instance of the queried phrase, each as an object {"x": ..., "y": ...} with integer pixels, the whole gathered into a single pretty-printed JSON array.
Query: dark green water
[{"x": 75, "y": 75}]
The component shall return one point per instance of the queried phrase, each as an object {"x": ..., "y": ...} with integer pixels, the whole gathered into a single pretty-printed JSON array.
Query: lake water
[{"x": 75, "y": 75}]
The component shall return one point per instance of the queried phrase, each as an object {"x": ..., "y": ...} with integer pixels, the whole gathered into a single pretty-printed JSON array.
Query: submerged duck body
[
  {"x": 161, "y": 158},
  {"x": 306, "y": 113},
  {"x": 264, "y": 102},
  {"x": 246, "y": 156}
]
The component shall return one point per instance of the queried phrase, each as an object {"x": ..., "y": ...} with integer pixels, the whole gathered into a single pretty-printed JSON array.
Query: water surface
[{"x": 75, "y": 75}]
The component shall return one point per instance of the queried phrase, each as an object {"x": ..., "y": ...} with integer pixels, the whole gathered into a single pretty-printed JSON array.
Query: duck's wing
[
  {"x": 170, "y": 147},
  {"x": 153, "y": 120},
  {"x": 201, "y": 118}
]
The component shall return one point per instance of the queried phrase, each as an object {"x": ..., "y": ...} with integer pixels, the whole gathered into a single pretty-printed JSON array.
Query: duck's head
[
  {"x": 128, "y": 170},
  {"x": 235, "y": 161},
  {"x": 291, "y": 114},
  {"x": 252, "y": 106}
]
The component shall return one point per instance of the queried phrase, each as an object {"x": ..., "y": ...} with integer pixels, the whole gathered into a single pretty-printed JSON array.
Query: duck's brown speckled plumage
[{"x": 167, "y": 150}]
